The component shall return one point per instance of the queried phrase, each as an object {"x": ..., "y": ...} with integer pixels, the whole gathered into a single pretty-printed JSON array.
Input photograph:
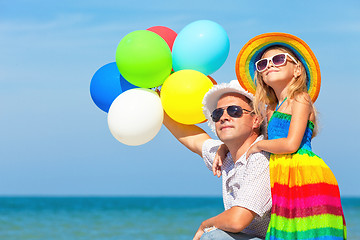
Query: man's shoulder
[
  {"x": 210, "y": 144},
  {"x": 209, "y": 149},
  {"x": 262, "y": 154}
]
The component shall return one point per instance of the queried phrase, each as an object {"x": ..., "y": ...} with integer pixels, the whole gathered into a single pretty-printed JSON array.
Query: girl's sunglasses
[
  {"x": 233, "y": 111},
  {"x": 277, "y": 60}
]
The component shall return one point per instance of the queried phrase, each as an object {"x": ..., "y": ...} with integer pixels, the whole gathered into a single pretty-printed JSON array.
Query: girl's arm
[{"x": 301, "y": 109}]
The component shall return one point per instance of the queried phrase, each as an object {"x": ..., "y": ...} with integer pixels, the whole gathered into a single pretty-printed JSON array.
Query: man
[{"x": 246, "y": 182}]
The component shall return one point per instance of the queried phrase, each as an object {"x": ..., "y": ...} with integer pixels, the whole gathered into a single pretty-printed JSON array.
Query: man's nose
[{"x": 225, "y": 117}]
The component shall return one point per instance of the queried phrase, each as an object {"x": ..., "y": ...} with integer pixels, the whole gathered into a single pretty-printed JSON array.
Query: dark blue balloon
[{"x": 106, "y": 84}]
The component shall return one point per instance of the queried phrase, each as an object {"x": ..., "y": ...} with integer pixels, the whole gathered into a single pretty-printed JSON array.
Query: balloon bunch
[{"x": 147, "y": 59}]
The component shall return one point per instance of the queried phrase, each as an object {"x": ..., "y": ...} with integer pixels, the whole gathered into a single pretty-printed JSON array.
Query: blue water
[{"x": 120, "y": 217}]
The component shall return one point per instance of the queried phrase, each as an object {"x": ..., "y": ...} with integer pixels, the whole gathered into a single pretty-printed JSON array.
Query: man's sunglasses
[
  {"x": 277, "y": 60},
  {"x": 232, "y": 111}
]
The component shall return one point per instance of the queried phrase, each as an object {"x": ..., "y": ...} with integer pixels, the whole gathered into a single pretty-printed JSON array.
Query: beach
[{"x": 69, "y": 218}]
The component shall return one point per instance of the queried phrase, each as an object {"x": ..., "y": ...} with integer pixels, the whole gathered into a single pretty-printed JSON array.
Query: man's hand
[
  {"x": 232, "y": 220},
  {"x": 198, "y": 233}
]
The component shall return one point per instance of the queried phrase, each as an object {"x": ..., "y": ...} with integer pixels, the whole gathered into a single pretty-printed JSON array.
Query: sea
[{"x": 157, "y": 218}]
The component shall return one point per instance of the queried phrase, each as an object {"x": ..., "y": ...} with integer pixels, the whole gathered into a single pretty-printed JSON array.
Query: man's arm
[
  {"x": 191, "y": 136},
  {"x": 233, "y": 220}
]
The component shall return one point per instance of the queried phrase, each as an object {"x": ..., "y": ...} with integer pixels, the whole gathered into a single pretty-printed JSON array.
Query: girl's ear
[{"x": 297, "y": 71}]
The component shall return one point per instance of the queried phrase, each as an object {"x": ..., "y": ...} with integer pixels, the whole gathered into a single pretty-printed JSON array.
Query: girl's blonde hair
[{"x": 265, "y": 95}]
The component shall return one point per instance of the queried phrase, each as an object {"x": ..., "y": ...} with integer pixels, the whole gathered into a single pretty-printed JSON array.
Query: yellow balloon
[{"x": 182, "y": 94}]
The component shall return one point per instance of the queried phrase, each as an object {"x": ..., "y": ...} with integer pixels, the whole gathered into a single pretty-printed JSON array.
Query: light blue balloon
[
  {"x": 202, "y": 46},
  {"x": 106, "y": 84}
]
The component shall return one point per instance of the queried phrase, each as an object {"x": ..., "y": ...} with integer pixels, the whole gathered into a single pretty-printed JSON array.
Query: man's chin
[{"x": 226, "y": 138}]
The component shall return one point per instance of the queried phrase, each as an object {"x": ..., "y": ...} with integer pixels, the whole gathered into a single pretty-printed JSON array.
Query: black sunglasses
[{"x": 233, "y": 111}]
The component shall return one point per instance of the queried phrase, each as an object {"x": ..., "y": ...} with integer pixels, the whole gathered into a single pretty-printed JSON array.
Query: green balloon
[{"x": 144, "y": 59}]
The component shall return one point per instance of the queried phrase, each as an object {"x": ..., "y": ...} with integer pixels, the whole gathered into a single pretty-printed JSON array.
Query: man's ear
[{"x": 257, "y": 121}]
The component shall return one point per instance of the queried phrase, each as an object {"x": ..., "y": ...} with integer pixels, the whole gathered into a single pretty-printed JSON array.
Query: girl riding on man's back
[{"x": 305, "y": 195}]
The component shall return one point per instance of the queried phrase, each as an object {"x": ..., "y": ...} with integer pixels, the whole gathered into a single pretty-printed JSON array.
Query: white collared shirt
[{"x": 245, "y": 183}]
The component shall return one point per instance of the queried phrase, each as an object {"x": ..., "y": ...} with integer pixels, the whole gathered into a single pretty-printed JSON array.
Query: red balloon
[{"x": 166, "y": 33}]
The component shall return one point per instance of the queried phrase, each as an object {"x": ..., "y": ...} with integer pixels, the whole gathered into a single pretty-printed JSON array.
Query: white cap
[{"x": 213, "y": 95}]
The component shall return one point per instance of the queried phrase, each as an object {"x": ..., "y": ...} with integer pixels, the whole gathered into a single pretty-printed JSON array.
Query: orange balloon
[{"x": 212, "y": 80}]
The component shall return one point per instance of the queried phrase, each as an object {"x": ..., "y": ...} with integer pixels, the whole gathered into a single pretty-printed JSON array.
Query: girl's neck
[{"x": 281, "y": 94}]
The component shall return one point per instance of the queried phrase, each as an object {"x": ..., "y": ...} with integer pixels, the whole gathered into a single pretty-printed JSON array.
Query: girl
[{"x": 305, "y": 195}]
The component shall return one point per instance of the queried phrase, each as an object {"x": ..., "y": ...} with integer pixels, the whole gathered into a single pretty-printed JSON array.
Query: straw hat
[{"x": 253, "y": 50}]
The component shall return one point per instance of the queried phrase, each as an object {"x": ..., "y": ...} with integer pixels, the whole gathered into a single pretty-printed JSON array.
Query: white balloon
[{"x": 135, "y": 116}]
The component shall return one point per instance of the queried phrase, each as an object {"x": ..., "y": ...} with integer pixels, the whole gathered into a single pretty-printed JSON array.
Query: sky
[{"x": 55, "y": 141}]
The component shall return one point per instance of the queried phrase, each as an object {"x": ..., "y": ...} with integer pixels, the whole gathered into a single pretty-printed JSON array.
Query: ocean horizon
[{"x": 120, "y": 217}]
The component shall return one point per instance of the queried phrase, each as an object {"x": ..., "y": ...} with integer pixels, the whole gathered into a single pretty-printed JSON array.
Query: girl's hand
[
  {"x": 219, "y": 159},
  {"x": 253, "y": 149}
]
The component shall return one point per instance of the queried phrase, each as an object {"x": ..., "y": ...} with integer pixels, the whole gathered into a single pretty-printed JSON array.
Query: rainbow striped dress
[{"x": 305, "y": 195}]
